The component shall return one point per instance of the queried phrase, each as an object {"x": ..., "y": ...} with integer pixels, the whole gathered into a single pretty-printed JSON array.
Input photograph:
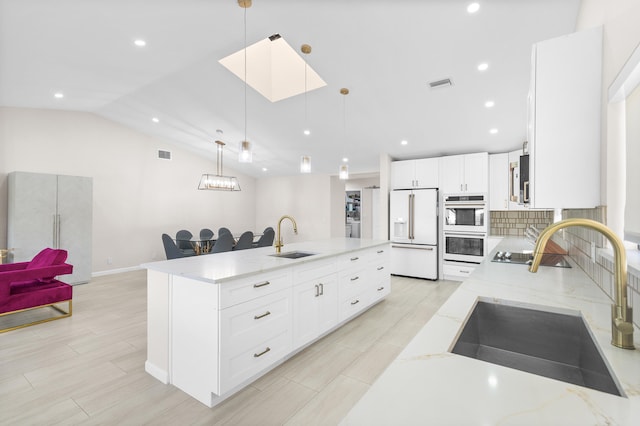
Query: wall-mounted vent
[
  {"x": 441, "y": 83},
  {"x": 164, "y": 155}
]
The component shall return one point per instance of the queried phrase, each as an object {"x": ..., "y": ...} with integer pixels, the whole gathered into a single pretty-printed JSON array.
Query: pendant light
[
  {"x": 219, "y": 182},
  {"x": 244, "y": 153},
  {"x": 305, "y": 161},
  {"x": 343, "y": 173}
]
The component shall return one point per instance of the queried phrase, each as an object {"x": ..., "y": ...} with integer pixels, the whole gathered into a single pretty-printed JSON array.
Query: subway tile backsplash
[{"x": 513, "y": 223}]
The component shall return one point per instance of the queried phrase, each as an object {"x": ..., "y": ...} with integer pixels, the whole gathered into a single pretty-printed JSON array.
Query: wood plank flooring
[{"x": 89, "y": 369}]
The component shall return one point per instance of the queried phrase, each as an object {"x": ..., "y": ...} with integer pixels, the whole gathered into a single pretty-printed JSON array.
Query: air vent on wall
[
  {"x": 440, "y": 83},
  {"x": 164, "y": 155}
]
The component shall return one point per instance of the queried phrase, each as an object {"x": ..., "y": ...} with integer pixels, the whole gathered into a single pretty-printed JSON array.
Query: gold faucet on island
[
  {"x": 279, "y": 243},
  {"x": 621, "y": 313}
]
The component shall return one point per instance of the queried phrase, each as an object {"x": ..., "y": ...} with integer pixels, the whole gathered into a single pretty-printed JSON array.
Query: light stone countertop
[
  {"x": 221, "y": 267},
  {"x": 426, "y": 384}
]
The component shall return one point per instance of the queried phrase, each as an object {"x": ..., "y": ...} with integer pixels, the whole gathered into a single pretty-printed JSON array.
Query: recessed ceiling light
[
  {"x": 345, "y": 160},
  {"x": 493, "y": 131},
  {"x": 307, "y": 132},
  {"x": 483, "y": 66},
  {"x": 140, "y": 43},
  {"x": 58, "y": 95},
  {"x": 473, "y": 7},
  {"x": 403, "y": 142},
  {"x": 489, "y": 104},
  {"x": 155, "y": 120}
]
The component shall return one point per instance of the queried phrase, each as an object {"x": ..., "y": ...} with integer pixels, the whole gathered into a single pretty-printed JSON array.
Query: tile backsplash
[{"x": 513, "y": 223}]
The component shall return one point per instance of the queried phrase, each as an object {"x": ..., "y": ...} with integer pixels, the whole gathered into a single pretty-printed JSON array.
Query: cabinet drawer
[
  {"x": 352, "y": 281},
  {"x": 381, "y": 290},
  {"x": 236, "y": 368},
  {"x": 242, "y": 290},
  {"x": 354, "y": 304},
  {"x": 456, "y": 272},
  {"x": 355, "y": 259},
  {"x": 243, "y": 325},
  {"x": 314, "y": 270}
]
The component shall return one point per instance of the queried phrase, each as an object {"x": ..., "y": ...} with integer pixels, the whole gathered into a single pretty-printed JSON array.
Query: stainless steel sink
[
  {"x": 531, "y": 339},
  {"x": 293, "y": 254}
]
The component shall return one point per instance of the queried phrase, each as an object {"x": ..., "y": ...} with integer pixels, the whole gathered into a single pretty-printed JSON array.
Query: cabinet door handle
[
  {"x": 321, "y": 289},
  {"x": 357, "y": 301},
  {"x": 261, "y": 316},
  {"x": 460, "y": 187},
  {"x": 380, "y": 251},
  {"x": 465, "y": 186},
  {"x": 317, "y": 286},
  {"x": 262, "y": 353},
  {"x": 380, "y": 268},
  {"x": 380, "y": 288},
  {"x": 355, "y": 278},
  {"x": 353, "y": 259},
  {"x": 261, "y": 284}
]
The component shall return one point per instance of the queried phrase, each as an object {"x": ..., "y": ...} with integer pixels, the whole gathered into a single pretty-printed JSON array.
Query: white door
[
  {"x": 399, "y": 210},
  {"x": 425, "y": 216},
  {"x": 476, "y": 172}
]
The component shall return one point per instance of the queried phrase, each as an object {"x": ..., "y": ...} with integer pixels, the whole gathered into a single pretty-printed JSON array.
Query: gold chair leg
[{"x": 65, "y": 314}]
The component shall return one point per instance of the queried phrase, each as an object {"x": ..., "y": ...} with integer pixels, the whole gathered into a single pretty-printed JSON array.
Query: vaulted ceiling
[{"x": 386, "y": 52}]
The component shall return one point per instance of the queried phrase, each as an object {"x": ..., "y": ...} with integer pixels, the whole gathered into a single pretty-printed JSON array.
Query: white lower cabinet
[{"x": 455, "y": 272}]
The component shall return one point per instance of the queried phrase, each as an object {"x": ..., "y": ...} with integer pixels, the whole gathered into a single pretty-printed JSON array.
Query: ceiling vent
[
  {"x": 441, "y": 83},
  {"x": 164, "y": 155}
]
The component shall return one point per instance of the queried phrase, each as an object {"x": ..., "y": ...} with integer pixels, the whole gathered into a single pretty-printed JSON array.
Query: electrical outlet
[
  {"x": 593, "y": 252},
  {"x": 109, "y": 260}
]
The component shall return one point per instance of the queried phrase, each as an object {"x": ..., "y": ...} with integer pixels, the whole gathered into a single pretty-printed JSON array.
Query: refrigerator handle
[{"x": 412, "y": 212}]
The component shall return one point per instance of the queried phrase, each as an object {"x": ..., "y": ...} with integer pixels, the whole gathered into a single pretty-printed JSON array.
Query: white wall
[
  {"x": 621, "y": 35},
  {"x": 308, "y": 198},
  {"x": 136, "y": 196}
]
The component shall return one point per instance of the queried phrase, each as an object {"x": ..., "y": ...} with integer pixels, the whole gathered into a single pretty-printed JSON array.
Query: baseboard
[
  {"x": 156, "y": 372},
  {"x": 115, "y": 271}
]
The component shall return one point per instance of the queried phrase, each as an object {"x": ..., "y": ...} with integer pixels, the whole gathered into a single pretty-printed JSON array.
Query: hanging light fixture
[
  {"x": 219, "y": 182},
  {"x": 305, "y": 164},
  {"x": 306, "y": 49},
  {"x": 344, "y": 168},
  {"x": 244, "y": 153}
]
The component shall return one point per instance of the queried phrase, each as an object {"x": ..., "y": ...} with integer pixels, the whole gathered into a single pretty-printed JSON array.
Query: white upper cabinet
[
  {"x": 410, "y": 174},
  {"x": 464, "y": 173},
  {"x": 499, "y": 181},
  {"x": 564, "y": 121}
]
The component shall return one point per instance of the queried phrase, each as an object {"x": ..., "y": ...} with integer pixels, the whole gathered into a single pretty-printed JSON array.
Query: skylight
[{"x": 274, "y": 69}]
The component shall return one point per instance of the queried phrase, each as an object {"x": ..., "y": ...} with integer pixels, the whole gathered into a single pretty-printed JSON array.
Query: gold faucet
[
  {"x": 621, "y": 313},
  {"x": 278, "y": 238}
]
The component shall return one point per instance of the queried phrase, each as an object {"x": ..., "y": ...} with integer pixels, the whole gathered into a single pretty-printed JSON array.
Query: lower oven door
[{"x": 464, "y": 247}]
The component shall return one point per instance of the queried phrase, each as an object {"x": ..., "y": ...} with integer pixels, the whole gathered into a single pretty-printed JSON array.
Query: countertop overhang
[
  {"x": 426, "y": 384},
  {"x": 221, "y": 267}
]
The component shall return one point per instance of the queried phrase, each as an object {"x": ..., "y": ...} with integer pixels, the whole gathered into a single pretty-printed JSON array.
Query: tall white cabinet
[
  {"x": 47, "y": 210},
  {"x": 564, "y": 121}
]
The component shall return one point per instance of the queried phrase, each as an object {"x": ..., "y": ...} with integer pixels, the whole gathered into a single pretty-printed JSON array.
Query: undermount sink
[
  {"x": 293, "y": 254},
  {"x": 534, "y": 340}
]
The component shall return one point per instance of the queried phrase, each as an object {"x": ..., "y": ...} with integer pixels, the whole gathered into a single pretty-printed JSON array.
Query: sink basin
[
  {"x": 550, "y": 344},
  {"x": 293, "y": 254}
]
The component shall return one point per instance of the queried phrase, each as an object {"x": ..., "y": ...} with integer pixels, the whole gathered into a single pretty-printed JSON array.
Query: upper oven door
[{"x": 465, "y": 217}]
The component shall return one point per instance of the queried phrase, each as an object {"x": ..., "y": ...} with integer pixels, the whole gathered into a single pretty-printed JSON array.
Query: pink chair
[{"x": 32, "y": 285}]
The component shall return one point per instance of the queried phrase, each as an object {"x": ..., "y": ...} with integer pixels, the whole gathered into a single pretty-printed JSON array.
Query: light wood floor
[{"x": 89, "y": 368}]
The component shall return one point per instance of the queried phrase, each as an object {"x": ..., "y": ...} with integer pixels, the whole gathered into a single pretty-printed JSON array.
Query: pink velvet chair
[{"x": 32, "y": 285}]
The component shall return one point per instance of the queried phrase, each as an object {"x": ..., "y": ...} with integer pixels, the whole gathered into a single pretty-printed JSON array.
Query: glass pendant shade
[
  {"x": 344, "y": 172},
  {"x": 305, "y": 164},
  {"x": 245, "y": 154},
  {"x": 218, "y": 182}
]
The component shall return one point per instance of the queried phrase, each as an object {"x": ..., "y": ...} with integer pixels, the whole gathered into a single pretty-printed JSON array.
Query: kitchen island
[
  {"x": 217, "y": 322},
  {"x": 427, "y": 384}
]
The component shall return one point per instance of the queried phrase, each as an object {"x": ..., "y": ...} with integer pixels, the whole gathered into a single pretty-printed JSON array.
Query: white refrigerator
[{"x": 413, "y": 229}]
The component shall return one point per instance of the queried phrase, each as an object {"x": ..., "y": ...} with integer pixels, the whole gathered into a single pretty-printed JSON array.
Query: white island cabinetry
[{"x": 218, "y": 322}]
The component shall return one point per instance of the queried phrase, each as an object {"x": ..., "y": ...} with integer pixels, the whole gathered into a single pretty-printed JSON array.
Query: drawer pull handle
[
  {"x": 261, "y": 316},
  {"x": 357, "y": 301},
  {"x": 464, "y": 272},
  {"x": 354, "y": 259},
  {"x": 262, "y": 353},
  {"x": 380, "y": 288},
  {"x": 380, "y": 251},
  {"x": 355, "y": 278},
  {"x": 380, "y": 268},
  {"x": 261, "y": 284}
]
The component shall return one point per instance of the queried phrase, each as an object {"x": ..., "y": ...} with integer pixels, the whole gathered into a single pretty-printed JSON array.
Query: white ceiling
[{"x": 385, "y": 51}]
